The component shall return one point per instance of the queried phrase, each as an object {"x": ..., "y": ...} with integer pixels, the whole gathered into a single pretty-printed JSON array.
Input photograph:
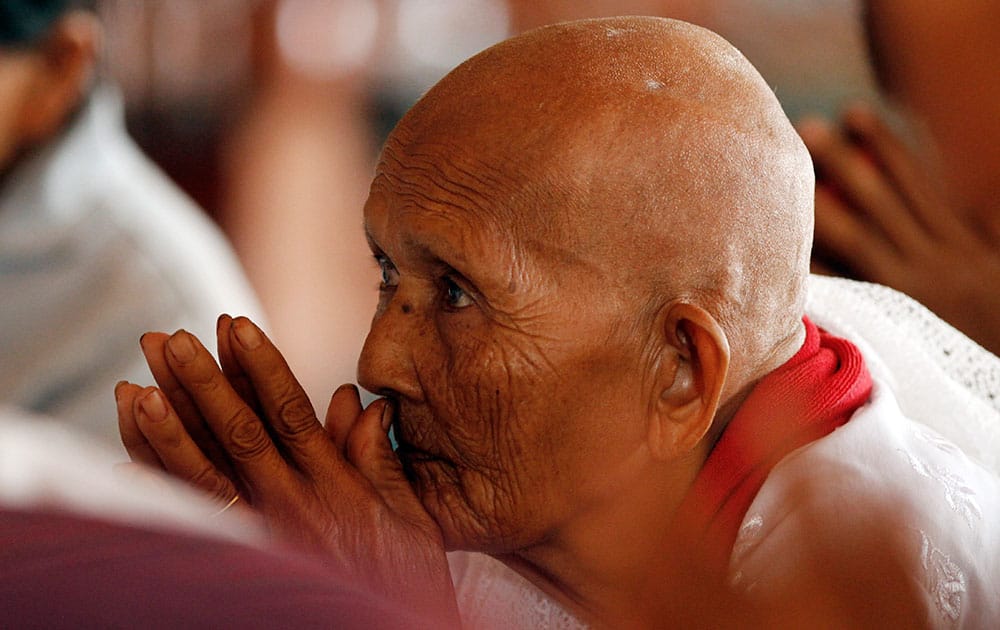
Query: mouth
[{"x": 410, "y": 454}]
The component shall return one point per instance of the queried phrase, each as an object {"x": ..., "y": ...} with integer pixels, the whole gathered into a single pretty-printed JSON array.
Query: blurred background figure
[
  {"x": 270, "y": 113},
  {"x": 912, "y": 200},
  {"x": 294, "y": 172},
  {"x": 96, "y": 244}
]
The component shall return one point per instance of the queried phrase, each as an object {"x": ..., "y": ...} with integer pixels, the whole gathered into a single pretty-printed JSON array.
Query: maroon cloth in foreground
[
  {"x": 806, "y": 398},
  {"x": 62, "y": 571}
]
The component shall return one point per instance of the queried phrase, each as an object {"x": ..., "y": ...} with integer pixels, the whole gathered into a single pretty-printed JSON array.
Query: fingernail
[
  {"x": 181, "y": 346},
  {"x": 219, "y": 323},
  {"x": 859, "y": 115},
  {"x": 860, "y": 107},
  {"x": 142, "y": 340},
  {"x": 346, "y": 386},
  {"x": 246, "y": 333},
  {"x": 387, "y": 410},
  {"x": 153, "y": 406},
  {"x": 118, "y": 386},
  {"x": 813, "y": 129}
]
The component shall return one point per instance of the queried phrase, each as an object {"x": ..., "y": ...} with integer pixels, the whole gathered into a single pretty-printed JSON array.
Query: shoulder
[{"x": 882, "y": 511}]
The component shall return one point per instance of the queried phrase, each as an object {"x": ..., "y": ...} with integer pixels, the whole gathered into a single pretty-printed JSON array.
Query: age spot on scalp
[
  {"x": 407, "y": 309},
  {"x": 617, "y": 32}
]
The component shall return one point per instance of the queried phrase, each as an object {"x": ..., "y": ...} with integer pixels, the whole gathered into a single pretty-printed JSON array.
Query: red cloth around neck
[{"x": 806, "y": 398}]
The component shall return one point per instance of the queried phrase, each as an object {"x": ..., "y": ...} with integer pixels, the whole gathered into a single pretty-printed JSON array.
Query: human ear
[
  {"x": 690, "y": 379},
  {"x": 67, "y": 58}
]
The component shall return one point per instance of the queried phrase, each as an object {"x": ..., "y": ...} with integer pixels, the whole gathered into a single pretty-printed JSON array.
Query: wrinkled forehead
[
  {"x": 498, "y": 217},
  {"x": 425, "y": 212},
  {"x": 485, "y": 185}
]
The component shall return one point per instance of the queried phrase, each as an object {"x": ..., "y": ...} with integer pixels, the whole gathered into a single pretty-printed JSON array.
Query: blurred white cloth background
[{"x": 97, "y": 247}]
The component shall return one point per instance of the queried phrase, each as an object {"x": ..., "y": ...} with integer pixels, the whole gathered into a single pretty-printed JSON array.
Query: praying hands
[
  {"x": 880, "y": 218},
  {"x": 247, "y": 434}
]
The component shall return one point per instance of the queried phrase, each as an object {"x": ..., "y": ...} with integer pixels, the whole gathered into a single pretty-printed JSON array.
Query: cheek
[
  {"x": 524, "y": 420},
  {"x": 494, "y": 380},
  {"x": 486, "y": 397}
]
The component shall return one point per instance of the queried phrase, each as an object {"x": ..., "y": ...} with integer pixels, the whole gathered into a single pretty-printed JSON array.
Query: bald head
[
  {"x": 593, "y": 238},
  {"x": 646, "y": 148}
]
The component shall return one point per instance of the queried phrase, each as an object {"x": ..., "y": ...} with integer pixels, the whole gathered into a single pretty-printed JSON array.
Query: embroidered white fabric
[
  {"x": 48, "y": 464},
  {"x": 881, "y": 489},
  {"x": 945, "y": 382},
  {"x": 914, "y": 471},
  {"x": 492, "y": 596},
  {"x": 933, "y": 369}
]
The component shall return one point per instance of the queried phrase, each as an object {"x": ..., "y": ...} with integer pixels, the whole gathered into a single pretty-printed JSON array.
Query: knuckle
[
  {"x": 248, "y": 438},
  {"x": 209, "y": 480},
  {"x": 204, "y": 379},
  {"x": 296, "y": 417}
]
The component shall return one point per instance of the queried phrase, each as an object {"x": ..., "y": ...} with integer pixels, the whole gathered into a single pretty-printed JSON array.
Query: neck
[
  {"x": 617, "y": 564},
  {"x": 600, "y": 564}
]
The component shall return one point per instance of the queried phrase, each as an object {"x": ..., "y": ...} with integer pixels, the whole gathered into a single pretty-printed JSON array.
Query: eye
[
  {"x": 454, "y": 295},
  {"x": 390, "y": 277}
]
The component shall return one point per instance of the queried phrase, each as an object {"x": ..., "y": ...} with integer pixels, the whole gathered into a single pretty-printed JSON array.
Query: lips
[
  {"x": 412, "y": 458},
  {"x": 412, "y": 453},
  {"x": 409, "y": 452}
]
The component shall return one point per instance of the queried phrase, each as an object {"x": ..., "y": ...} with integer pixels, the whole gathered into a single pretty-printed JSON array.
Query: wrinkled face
[{"x": 516, "y": 361}]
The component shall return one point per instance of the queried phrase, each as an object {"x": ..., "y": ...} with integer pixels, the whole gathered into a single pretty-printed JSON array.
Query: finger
[
  {"x": 153, "y": 346},
  {"x": 181, "y": 457},
  {"x": 842, "y": 239},
  {"x": 861, "y": 182},
  {"x": 231, "y": 367},
  {"x": 910, "y": 180},
  {"x": 343, "y": 411},
  {"x": 369, "y": 451},
  {"x": 238, "y": 431},
  {"x": 138, "y": 448},
  {"x": 285, "y": 404}
]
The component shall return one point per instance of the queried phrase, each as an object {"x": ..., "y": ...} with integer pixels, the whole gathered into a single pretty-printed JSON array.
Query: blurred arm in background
[
  {"x": 919, "y": 210},
  {"x": 294, "y": 173}
]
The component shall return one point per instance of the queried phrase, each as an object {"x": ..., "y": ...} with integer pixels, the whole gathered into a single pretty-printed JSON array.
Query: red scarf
[{"x": 809, "y": 396}]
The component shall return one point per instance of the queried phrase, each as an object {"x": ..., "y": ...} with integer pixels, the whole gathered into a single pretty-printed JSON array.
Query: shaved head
[
  {"x": 594, "y": 238},
  {"x": 647, "y": 147}
]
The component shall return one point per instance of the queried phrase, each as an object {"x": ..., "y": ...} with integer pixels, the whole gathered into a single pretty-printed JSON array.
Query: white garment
[
  {"x": 46, "y": 464},
  {"x": 919, "y": 463},
  {"x": 97, "y": 247}
]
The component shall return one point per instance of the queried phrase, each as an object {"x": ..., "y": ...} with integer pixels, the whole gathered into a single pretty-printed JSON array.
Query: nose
[{"x": 386, "y": 366}]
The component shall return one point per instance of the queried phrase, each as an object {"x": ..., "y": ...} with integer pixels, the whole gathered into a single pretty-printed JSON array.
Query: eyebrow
[{"x": 424, "y": 251}]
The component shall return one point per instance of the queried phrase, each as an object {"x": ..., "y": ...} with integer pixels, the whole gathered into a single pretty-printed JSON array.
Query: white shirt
[{"x": 97, "y": 246}]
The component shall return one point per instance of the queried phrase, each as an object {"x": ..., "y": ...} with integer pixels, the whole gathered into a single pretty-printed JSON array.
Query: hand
[
  {"x": 881, "y": 218},
  {"x": 252, "y": 432}
]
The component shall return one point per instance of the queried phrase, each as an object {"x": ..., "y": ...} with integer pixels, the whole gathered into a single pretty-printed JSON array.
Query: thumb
[{"x": 370, "y": 452}]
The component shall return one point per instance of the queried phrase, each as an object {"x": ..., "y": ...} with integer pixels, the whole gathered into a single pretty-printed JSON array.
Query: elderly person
[{"x": 594, "y": 242}]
